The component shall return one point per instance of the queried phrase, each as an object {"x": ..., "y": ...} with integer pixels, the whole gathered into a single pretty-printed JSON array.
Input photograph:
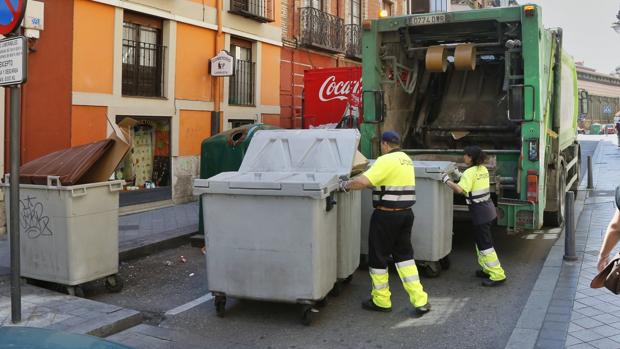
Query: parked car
[
  {"x": 608, "y": 129},
  {"x": 42, "y": 338}
]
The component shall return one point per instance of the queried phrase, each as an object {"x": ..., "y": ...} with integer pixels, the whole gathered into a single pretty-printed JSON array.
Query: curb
[
  {"x": 584, "y": 181},
  {"x": 141, "y": 248}
]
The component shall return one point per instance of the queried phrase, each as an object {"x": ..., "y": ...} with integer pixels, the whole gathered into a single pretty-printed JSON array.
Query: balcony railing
[
  {"x": 353, "y": 42},
  {"x": 242, "y": 84},
  {"x": 258, "y": 10},
  {"x": 321, "y": 30}
]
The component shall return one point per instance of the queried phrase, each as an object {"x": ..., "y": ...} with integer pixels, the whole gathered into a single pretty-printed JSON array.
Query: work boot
[
  {"x": 492, "y": 283},
  {"x": 419, "y": 311},
  {"x": 481, "y": 274},
  {"x": 370, "y": 305}
]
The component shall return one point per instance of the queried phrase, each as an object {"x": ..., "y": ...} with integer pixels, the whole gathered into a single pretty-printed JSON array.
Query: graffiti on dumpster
[{"x": 33, "y": 222}]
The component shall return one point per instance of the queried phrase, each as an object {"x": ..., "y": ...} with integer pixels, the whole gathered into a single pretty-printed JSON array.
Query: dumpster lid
[
  {"x": 431, "y": 169},
  {"x": 316, "y": 185},
  {"x": 316, "y": 150}
]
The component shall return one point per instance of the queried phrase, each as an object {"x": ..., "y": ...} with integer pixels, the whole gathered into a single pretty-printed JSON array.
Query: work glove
[
  {"x": 456, "y": 174},
  {"x": 445, "y": 177},
  {"x": 342, "y": 185}
]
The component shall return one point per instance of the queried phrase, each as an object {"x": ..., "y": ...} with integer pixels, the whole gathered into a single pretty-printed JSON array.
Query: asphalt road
[{"x": 464, "y": 314}]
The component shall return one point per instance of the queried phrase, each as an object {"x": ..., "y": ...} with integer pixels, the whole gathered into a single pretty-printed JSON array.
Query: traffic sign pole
[{"x": 16, "y": 292}]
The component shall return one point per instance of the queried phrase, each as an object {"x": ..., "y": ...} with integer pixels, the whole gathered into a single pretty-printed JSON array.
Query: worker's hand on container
[
  {"x": 445, "y": 177},
  {"x": 343, "y": 185}
]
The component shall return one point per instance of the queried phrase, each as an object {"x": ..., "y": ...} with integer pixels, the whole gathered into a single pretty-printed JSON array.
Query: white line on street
[{"x": 189, "y": 305}]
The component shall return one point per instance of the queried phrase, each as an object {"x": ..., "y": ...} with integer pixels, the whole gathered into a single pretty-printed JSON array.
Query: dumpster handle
[
  {"x": 118, "y": 186},
  {"x": 53, "y": 179},
  {"x": 77, "y": 192}
]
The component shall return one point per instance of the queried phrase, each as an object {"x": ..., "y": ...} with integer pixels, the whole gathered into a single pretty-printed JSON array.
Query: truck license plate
[{"x": 428, "y": 20}]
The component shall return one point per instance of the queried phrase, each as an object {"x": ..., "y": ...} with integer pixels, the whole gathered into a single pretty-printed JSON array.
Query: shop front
[{"x": 146, "y": 169}]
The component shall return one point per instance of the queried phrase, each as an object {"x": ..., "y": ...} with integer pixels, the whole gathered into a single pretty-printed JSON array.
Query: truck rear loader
[{"x": 491, "y": 77}]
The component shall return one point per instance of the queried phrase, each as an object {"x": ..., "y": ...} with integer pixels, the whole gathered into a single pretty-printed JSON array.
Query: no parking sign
[{"x": 11, "y": 15}]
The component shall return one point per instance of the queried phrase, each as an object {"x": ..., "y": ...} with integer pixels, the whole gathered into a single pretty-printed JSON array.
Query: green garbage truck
[{"x": 492, "y": 77}]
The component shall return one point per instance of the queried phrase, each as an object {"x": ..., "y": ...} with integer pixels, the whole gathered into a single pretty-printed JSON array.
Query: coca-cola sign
[
  {"x": 333, "y": 96},
  {"x": 332, "y": 89}
]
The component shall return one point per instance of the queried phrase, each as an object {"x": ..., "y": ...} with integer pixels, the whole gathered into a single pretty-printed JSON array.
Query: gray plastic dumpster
[
  {"x": 69, "y": 234},
  {"x": 431, "y": 235},
  {"x": 283, "y": 244}
]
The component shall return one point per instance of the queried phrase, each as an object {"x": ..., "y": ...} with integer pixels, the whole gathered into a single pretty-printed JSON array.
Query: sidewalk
[
  {"x": 562, "y": 310},
  {"x": 139, "y": 234},
  {"x": 48, "y": 309}
]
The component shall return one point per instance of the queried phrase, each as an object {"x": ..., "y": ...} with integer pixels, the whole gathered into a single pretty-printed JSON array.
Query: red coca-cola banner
[{"x": 333, "y": 97}]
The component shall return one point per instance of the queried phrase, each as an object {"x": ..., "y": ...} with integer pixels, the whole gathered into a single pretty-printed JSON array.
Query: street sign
[
  {"x": 222, "y": 64},
  {"x": 11, "y": 15},
  {"x": 13, "y": 66},
  {"x": 607, "y": 109}
]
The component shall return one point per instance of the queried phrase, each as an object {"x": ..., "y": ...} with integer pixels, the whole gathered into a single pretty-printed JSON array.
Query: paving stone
[
  {"x": 570, "y": 340},
  {"x": 558, "y": 317},
  {"x": 581, "y": 346},
  {"x": 549, "y": 343},
  {"x": 588, "y": 311},
  {"x": 574, "y": 327},
  {"x": 587, "y": 335},
  {"x": 558, "y": 310},
  {"x": 606, "y": 330},
  {"x": 605, "y": 343},
  {"x": 552, "y": 334},
  {"x": 607, "y": 318}
]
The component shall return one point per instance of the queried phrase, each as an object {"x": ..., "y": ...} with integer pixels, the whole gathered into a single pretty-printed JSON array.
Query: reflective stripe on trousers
[
  {"x": 489, "y": 262},
  {"x": 408, "y": 273},
  {"x": 380, "y": 287}
]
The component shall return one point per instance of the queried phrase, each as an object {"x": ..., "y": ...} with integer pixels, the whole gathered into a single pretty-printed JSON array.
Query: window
[
  {"x": 234, "y": 123},
  {"x": 242, "y": 83},
  {"x": 143, "y": 56},
  {"x": 387, "y": 7},
  {"x": 356, "y": 12},
  {"x": 317, "y": 4}
]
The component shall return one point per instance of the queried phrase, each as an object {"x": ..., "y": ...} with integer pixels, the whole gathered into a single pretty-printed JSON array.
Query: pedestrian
[
  {"x": 611, "y": 236},
  {"x": 392, "y": 178},
  {"x": 474, "y": 184},
  {"x": 618, "y": 131}
]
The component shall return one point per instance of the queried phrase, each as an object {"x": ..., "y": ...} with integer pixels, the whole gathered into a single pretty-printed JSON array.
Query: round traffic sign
[{"x": 11, "y": 15}]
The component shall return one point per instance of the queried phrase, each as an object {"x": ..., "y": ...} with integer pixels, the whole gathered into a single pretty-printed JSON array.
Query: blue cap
[{"x": 391, "y": 137}]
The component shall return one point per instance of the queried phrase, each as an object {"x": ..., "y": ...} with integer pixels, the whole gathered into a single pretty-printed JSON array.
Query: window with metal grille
[
  {"x": 356, "y": 12},
  {"x": 317, "y": 4},
  {"x": 143, "y": 56},
  {"x": 387, "y": 6},
  {"x": 241, "y": 89}
]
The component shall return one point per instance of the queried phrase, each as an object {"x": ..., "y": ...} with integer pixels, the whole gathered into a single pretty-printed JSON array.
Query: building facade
[
  {"x": 100, "y": 61},
  {"x": 603, "y": 95},
  {"x": 321, "y": 34}
]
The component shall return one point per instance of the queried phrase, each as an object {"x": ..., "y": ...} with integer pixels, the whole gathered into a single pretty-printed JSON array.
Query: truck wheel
[{"x": 556, "y": 219}]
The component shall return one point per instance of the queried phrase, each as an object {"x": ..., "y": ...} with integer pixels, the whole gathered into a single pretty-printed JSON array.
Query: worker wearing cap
[
  {"x": 392, "y": 179},
  {"x": 474, "y": 184}
]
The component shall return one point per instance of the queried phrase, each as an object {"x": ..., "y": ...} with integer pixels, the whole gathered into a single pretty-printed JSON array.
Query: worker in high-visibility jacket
[
  {"x": 474, "y": 184},
  {"x": 392, "y": 178}
]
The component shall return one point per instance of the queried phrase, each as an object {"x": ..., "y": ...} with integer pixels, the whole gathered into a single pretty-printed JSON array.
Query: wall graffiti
[{"x": 33, "y": 222}]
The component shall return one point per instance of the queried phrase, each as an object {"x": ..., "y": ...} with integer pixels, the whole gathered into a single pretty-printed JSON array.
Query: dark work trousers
[
  {"x": 390, "y": 234},
  {"x": 482, "y": 236}
]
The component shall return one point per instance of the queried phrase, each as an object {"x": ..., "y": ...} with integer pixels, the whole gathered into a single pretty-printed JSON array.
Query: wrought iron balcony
[
  {"x": 258, "y": 10},
  {"x": 321, "y": 30},
  {"x": 353, "y": 42}
]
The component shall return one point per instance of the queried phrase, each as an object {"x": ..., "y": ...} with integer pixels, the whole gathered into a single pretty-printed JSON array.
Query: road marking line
[{"x": 189, "y": 305}]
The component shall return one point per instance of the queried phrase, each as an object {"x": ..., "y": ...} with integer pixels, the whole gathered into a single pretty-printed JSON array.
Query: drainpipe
[{"x": 217, "y": 81}]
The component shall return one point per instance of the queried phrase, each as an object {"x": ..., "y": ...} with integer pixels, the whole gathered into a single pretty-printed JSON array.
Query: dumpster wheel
[
  {"x": 114, "y": 283},
  {"x": 307, "y": 314},
  {"x": 337, "y": 289},
  {"x": 445, "y": 262},
  {"x": 430, "y": 269},
  {"x": 76, "y": 291},
  {"x": 348, "y": 279},
  {"x": 220, "y": 305}
]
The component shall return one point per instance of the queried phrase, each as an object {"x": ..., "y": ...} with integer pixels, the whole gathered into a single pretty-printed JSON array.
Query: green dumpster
[
  {"x": 595, "y": 129},
  {"x": 224, "y": 152}
]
